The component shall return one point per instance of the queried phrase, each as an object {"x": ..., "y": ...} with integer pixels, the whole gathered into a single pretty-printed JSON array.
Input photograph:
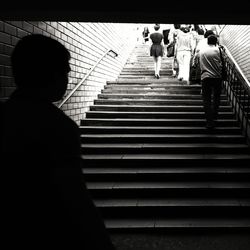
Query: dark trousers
[{"x": 211, "y": 91}]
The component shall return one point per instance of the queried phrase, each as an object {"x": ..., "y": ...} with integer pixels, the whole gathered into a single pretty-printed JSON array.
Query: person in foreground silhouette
[{"x": 46, "y": 202}]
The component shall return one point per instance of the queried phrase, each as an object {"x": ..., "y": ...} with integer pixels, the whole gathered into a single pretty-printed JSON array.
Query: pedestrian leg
[
  {"x": 206, "y": 95},
  {"x": 216, "y": 100}
]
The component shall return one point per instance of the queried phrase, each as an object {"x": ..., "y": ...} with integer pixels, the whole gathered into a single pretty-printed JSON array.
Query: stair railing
[
  {"x": 110, "y": 52},
  {"x": 238, "y": 90}
]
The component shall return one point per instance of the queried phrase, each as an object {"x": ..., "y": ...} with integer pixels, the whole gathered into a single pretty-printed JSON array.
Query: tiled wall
[
  {"x": 237, "y": 40},
  {"x": 86, "y": 42}
]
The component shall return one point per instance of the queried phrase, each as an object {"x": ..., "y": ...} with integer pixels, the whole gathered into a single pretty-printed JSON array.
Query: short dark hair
[
  {"x": 177, "y": 26},
  {"x": 212, "y": 40},
  {"x": 157, "y": 26},
  {"x": 36, "y": 56},
  {"x": 208, "y": 33},
  {"x": 200, "y": 31}
]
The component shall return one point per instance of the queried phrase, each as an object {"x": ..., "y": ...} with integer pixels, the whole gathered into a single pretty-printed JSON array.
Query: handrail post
[{"x": 84, "y": 78}]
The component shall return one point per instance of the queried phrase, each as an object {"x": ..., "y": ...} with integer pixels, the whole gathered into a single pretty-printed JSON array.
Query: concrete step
[
  {"x": 209, "y": 168},
  {"x": 158, "y": 130},
  {"x": 151, "y": 102},
  {"x": 155, "y": 115},
  {"x": 172, "y": 202},
  {"x": 154, "y": 108},
  {"x": 157, "y": 159},
  {"x": 168, "y": 80},
  {"x": 155, "y": 224},
  {"x": 168, "y": 185},
  {"x": 144, "y": 72},
  {"x": 152, "y": 91},
  {"x": 145, "y": 77},
  {"x": 165, "y": 174},
  {"x": 167, "y": 83},
  {"x": 162, "y": 138},
  {"x": 155, "y": 122},
  {"x": 158, "y": 96},
  {"x": 163, "y": 148},
  {"x": 173, "y": 208}
]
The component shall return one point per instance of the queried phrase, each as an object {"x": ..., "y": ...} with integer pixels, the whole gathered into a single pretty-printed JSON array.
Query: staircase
[{"x": 151, "y": 164}]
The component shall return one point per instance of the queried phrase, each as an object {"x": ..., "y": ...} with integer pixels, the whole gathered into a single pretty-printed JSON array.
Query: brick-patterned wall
[
  {"x": 237, "y": 40},
  {"x": 86, "y": 42}
]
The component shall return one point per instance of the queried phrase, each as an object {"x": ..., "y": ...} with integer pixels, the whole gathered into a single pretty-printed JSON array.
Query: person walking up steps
[
  {"x": 211, "y": 79},
  {"x": 157, "y": 49},
  {"x": 184, "y": 50}
]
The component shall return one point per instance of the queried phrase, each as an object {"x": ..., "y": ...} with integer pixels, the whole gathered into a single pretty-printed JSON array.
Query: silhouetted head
[
  {"x": 157, "y": 26},
  {"x": 212, "y": 40},
  {"x": 41, "y": 64},
  {"x": 185, "y": 29},
  {"x": 177, "y": 26},
  {"x": 208, "y": 33},
  {"x": 200, "y": 31}
]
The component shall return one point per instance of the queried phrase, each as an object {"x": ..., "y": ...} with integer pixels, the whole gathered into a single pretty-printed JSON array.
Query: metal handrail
[
  {"x": 86, "y": 76},
  {"x": 238, "y": 90},
  {"x": 237, "y": 66}
]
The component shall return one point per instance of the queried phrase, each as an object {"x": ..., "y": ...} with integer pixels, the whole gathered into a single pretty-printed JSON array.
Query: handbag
[
  {"x": 224, "y": 71},
  {"x": 170, "y": 49},
  {"x": 195, "y": 72}
]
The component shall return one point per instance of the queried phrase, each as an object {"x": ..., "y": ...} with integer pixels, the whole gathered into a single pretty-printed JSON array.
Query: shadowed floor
[{"x": 190, "y": 241}]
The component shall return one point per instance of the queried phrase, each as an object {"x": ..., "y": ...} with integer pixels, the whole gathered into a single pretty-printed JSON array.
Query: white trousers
[{"x": 183, "y": 58}]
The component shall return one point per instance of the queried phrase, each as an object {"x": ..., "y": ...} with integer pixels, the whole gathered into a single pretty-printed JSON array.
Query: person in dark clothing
[
  {"x": 46, "y": 202},
  {"x": 211, "y": 79},
  {"x": 157, "y": 49}
]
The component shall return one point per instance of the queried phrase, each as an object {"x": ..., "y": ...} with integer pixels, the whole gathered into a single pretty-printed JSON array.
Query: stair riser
[
  {"x": 160, "y": 150},
  {"x": 165, "y": 193},
  {"x": 166, "y": 177},
  {"x": 175, "y": 212},
  {"x": 127, "y": 130},
  {"x": 180, "y": 139},
  {"x": 211, "y": 163}
]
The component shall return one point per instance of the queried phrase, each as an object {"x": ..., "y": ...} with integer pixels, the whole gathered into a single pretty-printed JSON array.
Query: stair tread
[
  {"x": 167, "y": 185},
  {"x": 148, "y": 119},
  {"x": 177, "y": 223},
  {"x": 155, "y": 127},
  {"x": 170, "y": 202},
  {"x": 162, "y": 170},
  {"x": 163, "y": 145},
  {"x": 197, "y": 156},
  {"x": 155, "y": 112},
  {"x": 160, "y": 136}
]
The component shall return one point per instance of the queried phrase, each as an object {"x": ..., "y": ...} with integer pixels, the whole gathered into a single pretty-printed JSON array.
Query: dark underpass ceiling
[{"x": 129, "y": 11}]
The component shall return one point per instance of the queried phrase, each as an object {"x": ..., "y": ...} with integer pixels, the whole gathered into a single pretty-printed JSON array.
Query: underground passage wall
[
  {"x": 237, "y": 39},
  {"x": 87, "y": 42}
]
